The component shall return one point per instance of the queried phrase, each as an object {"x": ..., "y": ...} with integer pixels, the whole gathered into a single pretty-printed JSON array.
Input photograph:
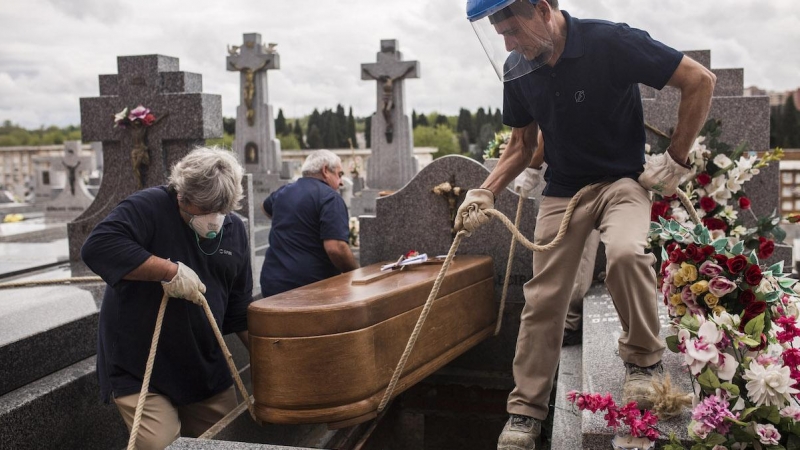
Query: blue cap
[{"x": 478, "y": 9}]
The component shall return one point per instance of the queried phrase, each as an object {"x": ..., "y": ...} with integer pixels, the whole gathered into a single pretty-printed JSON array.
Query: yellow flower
[
  {"x": 699, "y": 287},
  {"x": 688, "y": 271},
  {"x": 680, "y": 310},
  {"x": 719, "y": 309},
  {"x": 676, "y": 299},
  {"x": 678, "y": 280},
  {"x": 711, "y": 300}
]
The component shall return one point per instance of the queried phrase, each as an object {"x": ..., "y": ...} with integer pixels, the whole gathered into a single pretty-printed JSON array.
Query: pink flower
[
  {"x": 138, "y": 113},
  {"x": 710, "y": 269},
  {"x": 792, "y": 412},
  {"x": 767, "y": 434},
  {"x": 720, "y": 286}
]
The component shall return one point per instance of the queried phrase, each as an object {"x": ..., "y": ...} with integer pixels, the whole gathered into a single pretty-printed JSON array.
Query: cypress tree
[
  {"x": 441, "y": 120},
  {"x": 498, "y": 120},
  {"x": 422, "y": 121},
  {"x": 413, "y": 118},
  {"x": 340, "y": 123},
  {"x": 280, "y": 124},
  {"x": 464, "y": 125},
  {"x": 314, "y": 137},
  {"x": 480, "y": 121},
  {"x": 790, "y": 124},
  {"x": 368, "y": 131},
  {"x": 298, "y": 133},
  {"x": 351, "y": 128}
]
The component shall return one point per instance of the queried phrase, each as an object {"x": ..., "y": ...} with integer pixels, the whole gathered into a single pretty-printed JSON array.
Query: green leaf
[
  {"x": 776, "y": 268},
  {"x": 738, "y": 248},
  {"x": 752, "y": 258},
  {"x": 755, "y": 327},
  {"x": 720, "y": 244},
  {"x": 750, "y": 342},
  {"x": 772, "y": 297},
  {"x": 715, "y": 439},
  {"x": 730, "y": 387},
  {"x": 793, "y": 442},
  {"x": 672, "y": 343},
  {"x": 690, "y": 322},
  {"x": 708, "y": 379}
]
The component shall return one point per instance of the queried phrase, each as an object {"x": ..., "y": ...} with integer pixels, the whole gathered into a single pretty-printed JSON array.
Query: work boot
[
  {"x": 572, "y": 337},
  {"x": 520, "y": 433},
  {"x": 638, "y": 386}
]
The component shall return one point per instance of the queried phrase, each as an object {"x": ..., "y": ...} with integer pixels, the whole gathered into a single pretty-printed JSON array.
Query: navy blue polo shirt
[
  {"x": 304, "y": 214},
  {"x": 189, "y": 364},
  {"x": 588, "y": 105}
]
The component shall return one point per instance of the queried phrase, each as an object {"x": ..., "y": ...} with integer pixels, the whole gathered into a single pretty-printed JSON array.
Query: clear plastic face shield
[{"x": 513, "y": 33}]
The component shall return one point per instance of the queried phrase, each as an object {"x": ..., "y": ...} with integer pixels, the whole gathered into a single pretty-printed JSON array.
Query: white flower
[
  {"x": 680, "y": 215},
  {"x": 717, "y": 234},
  {"x": 727, "y": 321},
  {"x": 729, "y": 214},
  {"x": 770, "y": 385},
  {"x": 766, "y": 285},
  {"x": 767, "y": 434},
  {"x": 717, "y": 190},
  {"x": 702, "y": 349},
  {"x": 733, "y": 185},
  {"x": 738, "y": 231},
  {"x": 121, "y": 115},
  {"x": 722, "y": 161}
]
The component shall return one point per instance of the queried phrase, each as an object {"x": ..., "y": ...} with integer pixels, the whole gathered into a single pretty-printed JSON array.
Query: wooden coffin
[{"x": 325, "y": 353}]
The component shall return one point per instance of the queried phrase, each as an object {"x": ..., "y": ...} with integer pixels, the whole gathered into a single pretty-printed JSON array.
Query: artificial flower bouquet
[
  {"x": 715, "y": 186},
  {"x": 497, "y": 145},
  {"x": 139, "y": 117},
  {"x": 736, "y": 325}
]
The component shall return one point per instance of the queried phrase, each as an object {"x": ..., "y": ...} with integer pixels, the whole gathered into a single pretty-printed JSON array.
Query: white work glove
[
  {"x": 470, "y": 214},
  {"x": 185, "y": 284},
  {"x": 527, "y": 181},
  {"x": 662, "y": 174}
]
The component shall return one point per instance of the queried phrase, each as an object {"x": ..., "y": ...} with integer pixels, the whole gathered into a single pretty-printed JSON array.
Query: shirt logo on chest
[
  {"x": 580, "y": 96},
  {"x": 222, "y": 251}
]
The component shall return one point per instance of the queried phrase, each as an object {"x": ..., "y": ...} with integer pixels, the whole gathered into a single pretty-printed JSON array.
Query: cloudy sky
[{"x": 51, "y": 51}]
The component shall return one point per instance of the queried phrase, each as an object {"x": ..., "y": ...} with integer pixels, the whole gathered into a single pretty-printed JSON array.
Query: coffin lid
[{"x": 336, "y": 305}]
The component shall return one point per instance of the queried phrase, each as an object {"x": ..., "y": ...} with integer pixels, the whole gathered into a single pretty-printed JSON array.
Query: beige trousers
[
  {"x": 583, "y": 281},
  {"x": 162, "y": 422},
  {"x": 621, "y": 212}
]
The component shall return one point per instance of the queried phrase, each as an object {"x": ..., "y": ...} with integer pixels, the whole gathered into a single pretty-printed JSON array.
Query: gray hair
[
  {"x": 318, "y": 159},
  {"x": 209, "y": 178}
]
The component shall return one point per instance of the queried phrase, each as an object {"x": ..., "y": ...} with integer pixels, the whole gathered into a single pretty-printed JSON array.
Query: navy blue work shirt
[
  {"x": 304, "y": 214},
  {"x": 189, "y": 365},
  {"x": 588, "y": 105}
]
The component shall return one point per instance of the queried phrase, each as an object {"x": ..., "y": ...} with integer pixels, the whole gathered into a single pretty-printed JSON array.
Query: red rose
[
  {"x": 708, "y": 250},
  {"x": 721, "y": 259},
  {"x": 659, "y": 209},
  {"x": 747, "y": 297},
  {"x": 677, "y": 256},
  {"x": 736, "y": 264},
  {"x": 744, "y": 203},
  {"x": 693, "y": 252},
  {"x": 703, "y": 179},
  {"x": 752, "y": 310},
  {"x": 712, "y": 223},
  {"x": 708, "y": 204},
  {"x": 753, "y": 275},
  {"x": 765, "y": 247},
  {"x": 148, "y": 119}
]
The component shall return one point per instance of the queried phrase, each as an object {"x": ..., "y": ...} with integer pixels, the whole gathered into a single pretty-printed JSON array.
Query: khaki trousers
[
  {"x": 583, "y": 281},
  {"x": 162, "y": 422},
  {"x": 621, "y": 212}
]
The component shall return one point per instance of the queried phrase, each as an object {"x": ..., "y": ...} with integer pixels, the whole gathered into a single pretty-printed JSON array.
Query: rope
[
  {"x": 511, "y": 249},
  {"x": 31, "y": 283},
  {"x": 148, "y": 371},
  {"x": 450, "y": 254}
]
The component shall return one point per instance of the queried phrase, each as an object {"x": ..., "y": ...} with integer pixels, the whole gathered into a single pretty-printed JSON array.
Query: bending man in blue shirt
[
  {"x": 183, "y": 240},
  {"x": 309, "y": 239},
  {"x": 579, "y": 81}
]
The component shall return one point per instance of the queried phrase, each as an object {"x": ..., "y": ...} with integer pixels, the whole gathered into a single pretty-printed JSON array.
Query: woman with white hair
[
  {"x": 308, "y": 241},
  {"x": 183, "y": 240}
]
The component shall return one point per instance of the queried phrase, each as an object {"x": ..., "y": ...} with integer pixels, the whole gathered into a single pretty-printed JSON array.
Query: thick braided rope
[
  {"x": 32, "y": 283},
  {"x": 148, "y": 370},
  {"x": 511, "y": 249},
  {"x": 437, "y": 284},
  {"x": 687, "y": 204},
  {"x": 229, "y": 360}
]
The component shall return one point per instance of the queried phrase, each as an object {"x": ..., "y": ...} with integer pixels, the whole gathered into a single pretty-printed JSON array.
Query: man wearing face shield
[
  {"x": 309, "y": 239},
  {"x": 182, "y": 240},
  {"x": 578, "y": 80}
]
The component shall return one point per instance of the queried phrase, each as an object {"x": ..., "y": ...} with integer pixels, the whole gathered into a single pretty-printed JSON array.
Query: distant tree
[
  {"x": 485, "y": 136},
  {"x": 463, "y": 142},
  {"x": 229, "y": 125},
  {"x": 351, "y": 128},
  {"x": 441, "y": 137},
  {"x": 790, "y": 124},
  {"x": 340, "y": 123},
  {"x": 480, "y": 120},
  {"x": 498, "y": 120},
  {"x": 413, "y": 118},
  {"x": 298, "y": 133},
  {"x": 314, "y": 119},
  {"x": 422, "y": 121},
  {"x": 775, "y": 135},
  {"x": 368, "y": 131},
  {"x": 314, "y": 138},
  {"x": 289, "y": 141},
  {"x": 280, "y": 124},
  {"x": 441, "y": 120},
  {"x": 465, "y": 125}
]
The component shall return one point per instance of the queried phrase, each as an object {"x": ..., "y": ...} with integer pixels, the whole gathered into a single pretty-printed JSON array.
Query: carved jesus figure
[
  {"x": 249, "y": 88},
  {"x": 387, "y": 105}
]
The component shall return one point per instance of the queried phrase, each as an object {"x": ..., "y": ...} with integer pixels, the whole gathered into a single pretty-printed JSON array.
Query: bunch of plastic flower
[
  {"x": 641, "y": 424},
  {"x": 715, "y": 186},
  {"x": 139, "y": 117},
  {"x": 737, "y": 330},
  {"x": 496, "y": 146}
]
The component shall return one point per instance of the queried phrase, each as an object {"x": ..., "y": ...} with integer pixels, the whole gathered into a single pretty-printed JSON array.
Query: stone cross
[
  {"x": 392, "y": 162},
  {"x": 188, "y": 117},
  {"x": 69, "y": 199},
  {"x": 255, "y": 140}
]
